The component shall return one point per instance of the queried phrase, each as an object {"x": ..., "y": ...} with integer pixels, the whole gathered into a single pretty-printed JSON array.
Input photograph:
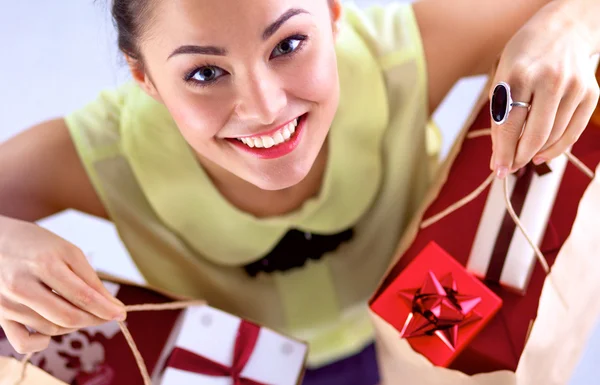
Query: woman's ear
[
  {"x": 335, "y": 7},
  {"x": 142, "y": 78}
]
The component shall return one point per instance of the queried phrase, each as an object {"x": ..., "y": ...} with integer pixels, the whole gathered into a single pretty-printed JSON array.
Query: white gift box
[
  {"x": 520, "y": 259},
  {"x": 210, "y": 333}
]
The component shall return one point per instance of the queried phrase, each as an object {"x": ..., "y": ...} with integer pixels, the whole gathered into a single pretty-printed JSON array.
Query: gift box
[
  {"x": 101, "y": 355},
  {"x": 498, "y": 349},
  {"x": 437, "y": 305},
  {"x": 211, "y": 347},
  {"x": 500, "y": 252}
]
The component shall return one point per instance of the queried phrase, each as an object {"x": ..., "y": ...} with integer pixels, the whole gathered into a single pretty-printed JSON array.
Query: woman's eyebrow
[
  {"x": 219, "y": 51},
  {"x": 271, "y": 29}
]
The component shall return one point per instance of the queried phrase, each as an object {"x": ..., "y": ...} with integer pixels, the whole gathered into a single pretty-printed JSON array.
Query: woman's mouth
[
  {"x": 275, "y": 144},
  {"x": 282, "y": 135}
]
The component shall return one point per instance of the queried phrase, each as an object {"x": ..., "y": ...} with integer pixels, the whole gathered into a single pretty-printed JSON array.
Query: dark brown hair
[{"x": 130, "y": 18}]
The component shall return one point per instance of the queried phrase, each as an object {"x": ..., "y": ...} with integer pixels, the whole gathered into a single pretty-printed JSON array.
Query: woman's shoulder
[
  {"x": 101, "y": 121},
  {"x": 382, "y": 43},
  {"x": 390, "y": 31}
]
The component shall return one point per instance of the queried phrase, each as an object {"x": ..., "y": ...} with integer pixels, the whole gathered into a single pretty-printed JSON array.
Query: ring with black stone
[{"x": 501, "y": 103}]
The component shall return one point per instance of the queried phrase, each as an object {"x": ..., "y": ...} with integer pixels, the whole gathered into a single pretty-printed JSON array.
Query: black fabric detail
[{"x": 295, "y": 248}]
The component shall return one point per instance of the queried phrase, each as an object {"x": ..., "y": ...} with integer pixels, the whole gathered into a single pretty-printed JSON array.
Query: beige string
[
  {"x": 464, "y": 201},
  {"x": 457, "y": 205},
  {"x": 515, "y": 218},
  {"x": 479, "y": 133},
  {"x": 132, "y": 345},
  {"x": 579, "y": 164}
]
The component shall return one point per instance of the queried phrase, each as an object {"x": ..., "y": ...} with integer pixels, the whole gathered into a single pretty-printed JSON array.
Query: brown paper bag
[
  {"x": 11, "y": 370},
  {"x": 558, "y": 336}
]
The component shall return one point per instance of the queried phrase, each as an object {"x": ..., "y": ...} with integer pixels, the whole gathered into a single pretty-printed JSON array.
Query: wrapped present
[
  {"x": 103, "y": 354},
  {"x": 214, "y": 347},
  {"x": 553, "y": 311},
  {"x": 499, "y": 253},
  {"x": 437, "y": 305}
]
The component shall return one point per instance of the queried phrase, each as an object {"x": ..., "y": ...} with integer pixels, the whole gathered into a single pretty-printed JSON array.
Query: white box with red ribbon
[
  {"x": 211, "y": 347},
  {"x": 500, "y": 251}
]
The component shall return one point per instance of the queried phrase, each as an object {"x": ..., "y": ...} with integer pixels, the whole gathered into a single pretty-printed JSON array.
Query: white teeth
[
  {"x": 275, "y": 139},
  {"x": 268, "y": 141},
  {"x": 286, "y": 133},
  {"x": 278, "y": 138}
]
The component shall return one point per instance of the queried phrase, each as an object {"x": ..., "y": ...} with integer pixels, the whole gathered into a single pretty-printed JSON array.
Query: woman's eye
[
  {"x": 206, "y": 74},
  {"x": 288, "y": 46}
]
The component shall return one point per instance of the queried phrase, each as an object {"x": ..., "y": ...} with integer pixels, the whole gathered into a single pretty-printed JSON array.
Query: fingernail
[
  {"x": 121, "y": 317},
  {"x": 116, "y": 301},
  {"x": 501, "y": 172},
  {"x": 538, "y": 160}
]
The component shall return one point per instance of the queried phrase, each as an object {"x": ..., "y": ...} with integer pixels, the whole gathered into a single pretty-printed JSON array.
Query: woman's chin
[{"x": 280, "y": 181}]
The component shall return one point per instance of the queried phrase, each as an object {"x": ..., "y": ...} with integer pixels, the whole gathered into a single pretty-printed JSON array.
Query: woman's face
[{"x": 252, "y": 85}]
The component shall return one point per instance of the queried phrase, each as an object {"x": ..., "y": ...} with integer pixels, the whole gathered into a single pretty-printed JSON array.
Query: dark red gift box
[
  {"x": 394, "y": 308},
  {"x": 101, "y": 355},
  {"x": 500, "y": 344}
]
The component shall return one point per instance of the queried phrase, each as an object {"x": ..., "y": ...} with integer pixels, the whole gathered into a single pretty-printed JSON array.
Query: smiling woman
[
  {"x": 267, "y": 157},
  {"x": 276, "y": 67}
]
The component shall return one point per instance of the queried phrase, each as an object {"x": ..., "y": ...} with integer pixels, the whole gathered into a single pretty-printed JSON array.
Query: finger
[
  {"x": 25, "y": 316},
  {"x": 574, "y": 130},
  {"x": 72, "y": 288},
  {"x": 566, "y": 110},
  {"x": 538, "y": 126},
  {"x": 81, "y": 267},
  {"x": 21, "y": 340},
  {"x": 506, "y": 136},
  {"x": 493, "y": 157},
  {"x": 54, "y": 308}
]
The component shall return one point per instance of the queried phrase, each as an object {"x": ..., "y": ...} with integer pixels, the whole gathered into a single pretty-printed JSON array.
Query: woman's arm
[
  {"x": 465, "y": 37},
  {"x": 42, "y": 174}
]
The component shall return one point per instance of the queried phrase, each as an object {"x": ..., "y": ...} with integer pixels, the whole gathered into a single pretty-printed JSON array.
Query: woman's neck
[{"x": 265, "y": 203}]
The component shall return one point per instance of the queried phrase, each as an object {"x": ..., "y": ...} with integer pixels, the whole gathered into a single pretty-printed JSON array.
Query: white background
[{"x": 55, "y": 56}]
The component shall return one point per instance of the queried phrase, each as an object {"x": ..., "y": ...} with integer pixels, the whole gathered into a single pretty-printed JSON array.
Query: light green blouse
[{"x": 185, "y": 237}]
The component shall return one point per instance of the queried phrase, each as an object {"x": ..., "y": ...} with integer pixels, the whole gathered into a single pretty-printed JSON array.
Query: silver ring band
[
  {"x": 502, "y": 103},
  {"x": 520, "y": 104}
]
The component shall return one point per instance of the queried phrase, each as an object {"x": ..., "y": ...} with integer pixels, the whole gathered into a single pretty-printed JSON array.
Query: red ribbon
[
  {"x": 505, "y": 235},
  {"x": 244, "y": 346},
  {"x": 438, "y": 309}
]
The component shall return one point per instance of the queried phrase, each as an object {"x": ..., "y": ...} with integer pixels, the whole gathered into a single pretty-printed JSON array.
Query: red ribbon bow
[
  {"x": 438, "y": 309},
  {"x": 244, "y": 346}
]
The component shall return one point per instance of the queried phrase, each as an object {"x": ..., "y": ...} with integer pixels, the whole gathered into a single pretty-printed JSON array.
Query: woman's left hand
[{"x": 548, "y": 63}]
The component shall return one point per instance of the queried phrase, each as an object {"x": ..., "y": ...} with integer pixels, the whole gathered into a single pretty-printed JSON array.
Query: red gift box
[
  {"x": 500, "y": 344},
  {"x": 401, "y": 308}
]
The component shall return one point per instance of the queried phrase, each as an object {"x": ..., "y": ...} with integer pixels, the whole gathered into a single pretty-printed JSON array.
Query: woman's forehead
[
  {"x": 226, "y": 23},
  {"x": 210, "y": 16}
]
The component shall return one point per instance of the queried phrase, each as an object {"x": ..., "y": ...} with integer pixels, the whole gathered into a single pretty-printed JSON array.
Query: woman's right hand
[{"x": 47, "y": 285}]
